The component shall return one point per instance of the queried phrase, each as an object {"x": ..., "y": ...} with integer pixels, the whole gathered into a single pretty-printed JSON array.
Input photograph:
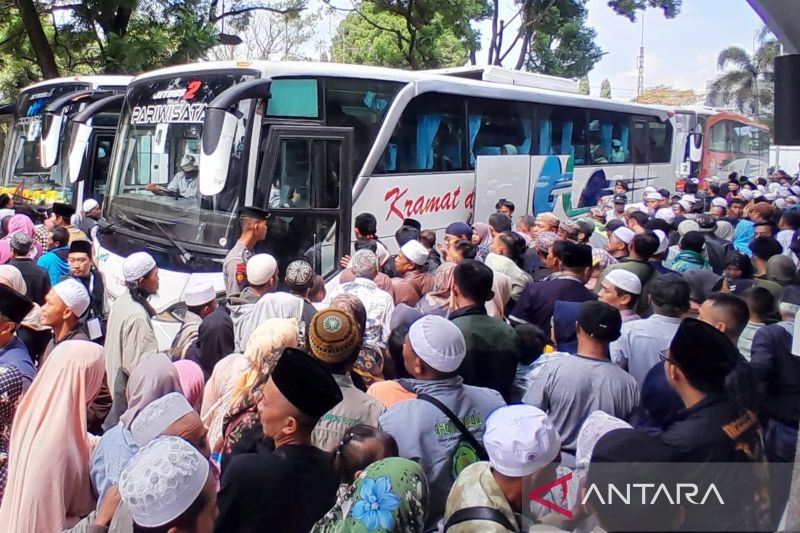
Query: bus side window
[
  {"x": 499, "y": 127},
  {"x": 430, "y": 135},
  {"x": 660, "y": 138},
  {"x": 640, "y": 142},
  {"x": 608, "y": 138},
  {"x": 562, "y": 131}
]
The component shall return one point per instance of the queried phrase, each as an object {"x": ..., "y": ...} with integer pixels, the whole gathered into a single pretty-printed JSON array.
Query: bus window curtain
[
  {"x": 545, "y": 136},
  {"x": 427, "y": 126},
  {"x": 606, "y": 132},
  {"x": 623, "y": 138},
  {"x": 527, "y": 130},
  {"x": 474, "y": 127},
  {"x": 390, "y": 157},
  {"x": 566, "y": 138}
]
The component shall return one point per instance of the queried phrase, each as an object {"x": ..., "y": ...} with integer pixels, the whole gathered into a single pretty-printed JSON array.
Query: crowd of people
[{"x": 426, "y": 390}]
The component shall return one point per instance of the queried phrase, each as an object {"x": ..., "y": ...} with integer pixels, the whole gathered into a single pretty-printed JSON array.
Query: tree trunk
[{"x": 45, "y": 57}]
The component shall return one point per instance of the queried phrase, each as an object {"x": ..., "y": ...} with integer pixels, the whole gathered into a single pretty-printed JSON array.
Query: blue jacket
[{"x": 55, "y": 263}]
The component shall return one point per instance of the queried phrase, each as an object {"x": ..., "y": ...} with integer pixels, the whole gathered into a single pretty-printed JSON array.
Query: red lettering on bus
[
  {"x": 469, "y": 201},
  {"x": 403, "y": 207}
]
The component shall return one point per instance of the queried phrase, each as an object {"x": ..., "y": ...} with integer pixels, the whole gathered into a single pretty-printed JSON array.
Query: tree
[
  {"x": 48, "y": 38},
  {"x": 273, "y": 36},
  {"x": 605, "y": 89},
  {"x": 665, "y": 95},
  {"x": 374, "y": 36},
  {"x": 747, "y": 80},
  {"x": 552, "y": 36},
  {"x": 583, "y": 86}
]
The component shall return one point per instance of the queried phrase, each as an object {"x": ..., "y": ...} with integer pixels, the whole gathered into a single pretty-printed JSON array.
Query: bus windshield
[
  {"x": 23, "y": 167},
  {"x": 739, "y": 139},
  {"x": 156, "y": 161}
]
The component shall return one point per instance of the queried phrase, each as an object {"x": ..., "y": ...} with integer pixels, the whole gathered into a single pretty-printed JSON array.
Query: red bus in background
[{"x": 720, "y": 142}]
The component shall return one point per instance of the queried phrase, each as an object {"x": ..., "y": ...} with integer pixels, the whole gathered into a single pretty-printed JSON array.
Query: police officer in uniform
[{"x": 253, "y": 222}]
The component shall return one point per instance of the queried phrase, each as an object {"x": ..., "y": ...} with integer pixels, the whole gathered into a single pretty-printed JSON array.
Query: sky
[{"x": 680, "y": 52}]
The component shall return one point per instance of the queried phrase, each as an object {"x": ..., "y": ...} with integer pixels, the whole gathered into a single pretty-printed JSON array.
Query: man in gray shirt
[{"x": 569, "y": 388}]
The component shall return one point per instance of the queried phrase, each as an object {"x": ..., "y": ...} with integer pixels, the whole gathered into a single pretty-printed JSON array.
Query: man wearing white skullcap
[
  {"x": 618, "y": 241},
  {"x": 91, "y": 214},
  {"x": 262, "y": 279},
  {"x": 432, "y": 353},
  {"x": 378, "y": 303},
  {"x": 200, "y": 299},
  {"x": 63, "y": 307},
  {"x": 521, "y": 444},
  {"x": 169, "y": 486},
  {"x": 621, "y": 289},
  {"x": 129, "y": 331},
  {"x": 410, "y": 267},
  {"x": 162, "y": 417}
]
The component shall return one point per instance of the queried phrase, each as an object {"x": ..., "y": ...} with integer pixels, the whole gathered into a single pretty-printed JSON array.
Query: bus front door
[{"x": 305, "y": 181}]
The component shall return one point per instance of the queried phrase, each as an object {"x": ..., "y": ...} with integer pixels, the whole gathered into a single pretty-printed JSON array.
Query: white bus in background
[
  {"x": 317, "y": 143},
  {"x": 35, "y": 165}
]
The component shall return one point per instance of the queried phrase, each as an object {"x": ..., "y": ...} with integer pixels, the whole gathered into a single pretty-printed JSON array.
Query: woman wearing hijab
[
  {"x": 724, "y": 230},
  {"x": 389, "y": 496},
  {"x": 31, "y": 332},
  {"x": 240, "y": 424},
  {"x": 481, "y": 239},
  {"x": 151, "y": 379},
  {"x": 10, "y": 394},
  {"x": 437, "y": 302},
  {"x": 18, "y": 224},
  {"x": 48, "y": 486},
  {"x": 192, "y": 381}
]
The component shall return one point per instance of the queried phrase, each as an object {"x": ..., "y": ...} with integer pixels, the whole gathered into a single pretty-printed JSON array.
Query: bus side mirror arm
[
  {"x": 219, "y": 131},
  {"x": 695, "y": 147}
]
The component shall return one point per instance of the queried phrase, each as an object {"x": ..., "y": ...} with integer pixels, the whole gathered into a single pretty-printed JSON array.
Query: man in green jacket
[{"x": 491, "y": 359}]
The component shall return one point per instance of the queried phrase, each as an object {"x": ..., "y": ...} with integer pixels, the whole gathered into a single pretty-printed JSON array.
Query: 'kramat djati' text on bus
[
  {"x": 60, "y": 139},
  {"x": 318, "y": 143}
]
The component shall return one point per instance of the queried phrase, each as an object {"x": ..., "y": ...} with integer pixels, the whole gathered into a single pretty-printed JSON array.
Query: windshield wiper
[
  {"x": 131, "y": 222},
  {"x": 186, "y": 257}
]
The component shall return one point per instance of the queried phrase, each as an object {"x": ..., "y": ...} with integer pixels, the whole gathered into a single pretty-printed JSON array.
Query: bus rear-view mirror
[
  {"x": 48, "y": 144},
  {"x": 77, "y": 149},
  {"x": 695, "y": 147}
]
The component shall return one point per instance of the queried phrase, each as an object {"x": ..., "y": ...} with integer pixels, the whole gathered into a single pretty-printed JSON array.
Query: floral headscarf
[{"x": 390, "y": 495}]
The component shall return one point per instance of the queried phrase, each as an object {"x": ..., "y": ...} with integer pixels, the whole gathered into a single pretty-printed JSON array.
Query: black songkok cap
[
  {"x": 702, "y": 352},
  {"x": 600, "y": 320},
  {"x": 413, "y": 223},
  {"x": 306, "y": 383},
  {"x": 13, "y": 305},
  {"x": 63, "y": 210},
  {"x": 576, "y": 255},
  {"x": 81, "y": 247},
  {"x": 254, "y": 212}
]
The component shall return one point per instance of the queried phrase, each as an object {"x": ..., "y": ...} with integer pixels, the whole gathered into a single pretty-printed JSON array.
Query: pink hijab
[
  {"x": 19, "y": 223},
  {"x": 192, "y": 381},
  {"x": 48, "y": 486}
]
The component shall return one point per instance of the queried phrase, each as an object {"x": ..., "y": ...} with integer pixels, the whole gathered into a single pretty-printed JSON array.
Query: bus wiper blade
[
  {"x": 186, "y": 257},
  {"x": 131, "y": 222}
]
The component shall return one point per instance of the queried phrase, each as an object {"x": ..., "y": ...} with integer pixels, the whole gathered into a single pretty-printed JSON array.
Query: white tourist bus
[
  {"x": 318, "y": 143},
  {"x": 46, "y": 125}
]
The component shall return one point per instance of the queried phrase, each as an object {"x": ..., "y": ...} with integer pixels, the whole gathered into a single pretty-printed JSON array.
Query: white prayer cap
[
  {"x": 663, "y": 241},
  {"x": 624, "y": 280},
  {"x": 685, "y": 204},
  {"x": 691, "y": 198},
  {"x": 653, "y": 196},
  {"x": 364, "y": 263},
  {"x": 774, "y": 187},
  {"x": 746, "y": 194},
  {"x": 770, "y": 196},
  {"x": 73, "y": 294},
  {"x": 162, "y": 480},
  {"x": 157, "y": 416},
  {"x": 137, "y": 265},
  {"x": 721, "y": 202},
  {"x": 199, "y": 292},
  {"x": 666, "y": 214},
  {"x": 260, "y": 269},
  {"x": 597, "y": 424},
  {"x": 415, "y": 252},
  {"x": 520, "y": 440},
  {"x": 438, "y": 342},
  {"x": 89, "y": 204},
  {"x": 649, "y": 190},
  {"x": 780, "y": 203},
  {"x": 624, "y": 234}
]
